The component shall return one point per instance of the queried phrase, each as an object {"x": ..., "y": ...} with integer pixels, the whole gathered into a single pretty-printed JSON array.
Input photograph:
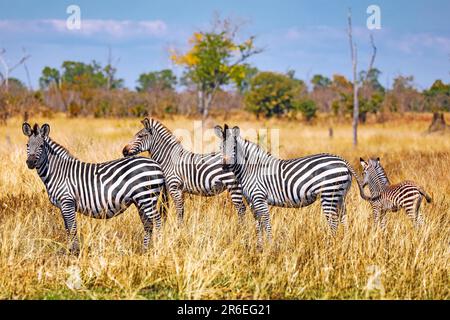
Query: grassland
[{"x": 210, "y": 257}]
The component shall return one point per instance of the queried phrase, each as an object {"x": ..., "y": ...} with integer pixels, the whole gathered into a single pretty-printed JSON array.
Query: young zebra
[
  {"x": 101, "y": 190},
  {"x": 185, "y": 171},
  {"x": 298, "y": 182},
  {"x": 387, "y": 197}
]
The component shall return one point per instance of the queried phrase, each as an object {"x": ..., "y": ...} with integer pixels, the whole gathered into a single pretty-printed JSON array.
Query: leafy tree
[
  {"x": 215, "y": 59},
  {"x": 370, "y": 79},
  {"x": 271, "y": 94},
  {"x": 343, "y": 103},
  {"x": 320, "y": 81},
  {"x": 371, "y": 94},
  {"x": 50, "y": 76},
  {"x": 437, "y": 98},
  {"x": 163, "y": 80},
  {"x": 308, "y": 108}
]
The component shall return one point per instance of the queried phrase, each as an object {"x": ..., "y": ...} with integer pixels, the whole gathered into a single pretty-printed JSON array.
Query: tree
[
  {"x": 162, "y": 80},
  {"x": 371, "y": 93},
  {"x": 271, "y": 94},
  {"x": 49, "y": 77},
  {"x": 215, "y": 59},
  {"x": 354, "y": 59},
  {"x": 343, "y": 90},
  {"x": 318, "y": 81},
  {"x": 244, "y": 84},
  {"x": 322, "y": 92},
  {"x": 7, "y": 69},
  {"x": 437, "y": 98},
  {"x": 77, "y": 84},
  {"x": 307, "y": 107}
]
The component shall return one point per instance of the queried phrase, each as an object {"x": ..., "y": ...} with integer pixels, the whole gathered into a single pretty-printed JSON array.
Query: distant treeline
[
  {"x": 217, "y": 76},
  {"x": 81, "y": 89}
]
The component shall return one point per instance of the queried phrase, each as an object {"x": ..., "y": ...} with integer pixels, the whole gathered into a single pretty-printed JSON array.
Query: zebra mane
[
  {"x": 57, "y": 149},
  {"x": 260, "y": 149},
  {"x": 162, "y": 129},
  {"x": 380, "y": 172}
]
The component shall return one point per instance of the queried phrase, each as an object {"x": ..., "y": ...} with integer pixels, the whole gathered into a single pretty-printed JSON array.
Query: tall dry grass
[{"x": 210, "y": 257}]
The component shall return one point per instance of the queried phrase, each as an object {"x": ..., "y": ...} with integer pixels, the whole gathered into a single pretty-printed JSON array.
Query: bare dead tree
[
  {"x": 27, "y": 71},
  {"x": 110, "y": 69},
  {"x": 7, "y": 69},
  {"x": 354, "y": 57}
]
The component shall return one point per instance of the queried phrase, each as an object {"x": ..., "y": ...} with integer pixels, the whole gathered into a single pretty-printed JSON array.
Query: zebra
[
  {"x": 267, "y": 180},
  {"x": 185, "y": 171},
  {"x": 98, "y": 190},
  {"x": 391, "y": 197}
]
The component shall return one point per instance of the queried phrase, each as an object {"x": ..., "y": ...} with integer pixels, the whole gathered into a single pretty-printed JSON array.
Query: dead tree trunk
[{"x": 354, "y": 57}]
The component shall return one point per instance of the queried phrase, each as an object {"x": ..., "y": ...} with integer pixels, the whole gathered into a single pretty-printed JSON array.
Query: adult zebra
[
  {"x": 267, "y": 180},
  {"x": 100, "y": 190},
  {"x": 185, "y": 171},
  {"x": 391, "y": 197}
]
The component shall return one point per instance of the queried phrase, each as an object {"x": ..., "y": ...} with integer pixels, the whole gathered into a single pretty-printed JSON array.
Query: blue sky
[{"x": 306, "y": 36}]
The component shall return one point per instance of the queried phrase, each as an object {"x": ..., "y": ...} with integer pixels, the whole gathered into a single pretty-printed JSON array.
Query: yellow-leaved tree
[{"x": 215, "y": 59}]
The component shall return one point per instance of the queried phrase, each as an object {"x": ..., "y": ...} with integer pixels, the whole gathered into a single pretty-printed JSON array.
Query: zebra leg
[
  {"x": 177, "y": 195},
  {"x": 343, "y": 214},
  {"x": 330, "y": 208},
  {"x": 164, "y": 204},
  {"x": 413, "y": 212},
  {"x": 382, "y": 220},
  {"x": 68, "y": 211},
  {"x": 419, "y": 217},
  {"x": 261, "y": 212},
  {"x": 376, "y": 214},
  {"x": 235, "y": 191},
  {"x": 148, "y": 212}
]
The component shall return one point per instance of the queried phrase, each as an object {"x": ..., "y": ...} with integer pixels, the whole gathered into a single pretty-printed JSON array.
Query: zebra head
[
  {"x": 228, "y": 144},
  {"x": 373, "y": 172},
  {"x": 141, "y": 140},
  {"x": 35, "y": 146}
]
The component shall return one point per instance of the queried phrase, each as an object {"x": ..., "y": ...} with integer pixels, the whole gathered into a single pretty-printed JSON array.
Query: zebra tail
[
  {"x": 427, "y": 197},
  {"x": 358, "y": 180}
]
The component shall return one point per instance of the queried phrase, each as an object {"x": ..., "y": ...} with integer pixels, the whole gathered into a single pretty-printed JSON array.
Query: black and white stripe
[
  {"x": 185, "y": 171},
  {"x": 101, "y": 190},
  {"x": 267, "y": 180},
  {"x": 391, "y": 197}
]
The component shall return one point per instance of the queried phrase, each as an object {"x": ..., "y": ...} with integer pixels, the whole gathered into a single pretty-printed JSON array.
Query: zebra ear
[
  {"x": 146, "y": 123},
  {"x": 363, "y": 163},
  {"x": 45, "y": 130},
  {"x": 218, "y": 131},
  {"x": 236, "y": 131},
  {"x": 378, "y": 159},
  {"x": 26, "y": 129}
]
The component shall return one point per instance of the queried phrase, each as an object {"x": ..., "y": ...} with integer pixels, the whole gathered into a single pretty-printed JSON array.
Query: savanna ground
[{"x": 210, "y": 257}]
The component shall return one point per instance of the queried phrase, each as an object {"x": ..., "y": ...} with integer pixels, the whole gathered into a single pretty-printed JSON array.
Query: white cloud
[
  {"x": 89, "y": 27},
  {"x": 417, "y": 43}
]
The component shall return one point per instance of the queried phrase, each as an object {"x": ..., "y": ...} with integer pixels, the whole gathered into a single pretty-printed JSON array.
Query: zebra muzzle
[{"x": 31, "y": 162}]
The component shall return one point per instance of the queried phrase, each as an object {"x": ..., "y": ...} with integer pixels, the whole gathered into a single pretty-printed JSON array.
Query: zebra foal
[
  {"x": 99, "y": 190},
  {"x": 267, "y": 180},
  {"x": 185, "y": 171},
  {"x": 391, "y": 197}
]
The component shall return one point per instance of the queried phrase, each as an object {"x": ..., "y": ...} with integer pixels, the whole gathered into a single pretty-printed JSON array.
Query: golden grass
[{"x": 211, "y": 257}]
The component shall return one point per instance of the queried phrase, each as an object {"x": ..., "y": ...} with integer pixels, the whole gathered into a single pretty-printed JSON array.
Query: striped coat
[
  {"x": 99, "y": 190},
  {"x": 185, "y": 171},
  {"x": 391, "y": 197},
  {"x": 269, "y": 181}
]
